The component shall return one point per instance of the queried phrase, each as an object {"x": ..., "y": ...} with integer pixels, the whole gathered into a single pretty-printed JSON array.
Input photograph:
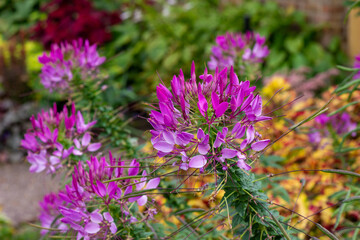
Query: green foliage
[
  {"x": 19, "y": 15},
  {"x": 163, "y": 43},
  {"x": 252, "y": 216},
  {"x": 22, "y": 232},
  {"x": 88, "y": 95}
]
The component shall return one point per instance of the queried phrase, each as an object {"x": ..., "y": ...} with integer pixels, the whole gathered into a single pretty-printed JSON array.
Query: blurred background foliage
[{"x": 146, "y": 41}]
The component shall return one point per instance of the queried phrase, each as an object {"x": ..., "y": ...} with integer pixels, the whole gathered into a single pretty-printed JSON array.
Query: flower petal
[
  {"x": 228, "y": 153},
  {"x": 92, "y": 227},
  {"x": 260, "y": 145},
  {"x": 163, "y": 146},
  {"x": 197, "y": 162},
  {"x": 96, "y": 217},
  {"x": 108, "y": 217},
  {"x": 86, "y": 139},
  {"x": 153, "y": 183},
  {"x": 221, "y": 109},
  {"x": 142, "y": 201},
  {"x": 94, "y": 147}
]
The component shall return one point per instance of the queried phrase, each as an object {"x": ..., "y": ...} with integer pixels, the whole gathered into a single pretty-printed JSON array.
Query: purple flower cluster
[
  {"x": 234, "y": 48},
  {"x": 341, "y": 124},
  {"x": 357, "y": 65},
  {"x": 55, "y": 136},
  {"x": 197, "y": 123},
  {"x": 59, "y": 65},
  {"x": 97, "y": 183}
]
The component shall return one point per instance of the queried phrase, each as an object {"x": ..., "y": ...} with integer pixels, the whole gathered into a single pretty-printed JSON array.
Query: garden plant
[{"x": 238, "y": 144}]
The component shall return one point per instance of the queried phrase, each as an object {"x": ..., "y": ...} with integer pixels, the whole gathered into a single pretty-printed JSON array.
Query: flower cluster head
[
  {"x": 211, "y": 120},
  {"x": 357, "y": 65},
  {"x": 60, "y": 65},
  {"x": 97, "y": 183},
  {"x": 340, "y": 124},
  {"x": 55, "y": 136},
  {"x": 234, "y": 49}
]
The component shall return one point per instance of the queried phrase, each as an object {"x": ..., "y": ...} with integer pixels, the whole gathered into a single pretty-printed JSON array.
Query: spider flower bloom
[
  {"x": 95, "y": 184},
  {"x": 46, "y": 145},
  {"x": 340, "y": 123},
  {"x": 233, "y": 49},
  {"x": 49, "y": 213},
  {"x": 60, "y": 64},
  {"x": 210, "y": 118}
]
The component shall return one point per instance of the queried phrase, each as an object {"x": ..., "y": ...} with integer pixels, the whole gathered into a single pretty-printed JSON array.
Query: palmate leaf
[{"x": 271, "y": 161}]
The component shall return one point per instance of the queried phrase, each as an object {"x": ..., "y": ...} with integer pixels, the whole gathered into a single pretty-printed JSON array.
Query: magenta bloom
[
  {"x": 49, "y": 212},
  {"x": 95, "y": 184},
  {"x": 60, "y": 64},
  {"x": 45, "y": 145},
  {"x": 340, "y": 123},
  {"x": 219, "y": 110},
  {"x": 236, "y": 49}
]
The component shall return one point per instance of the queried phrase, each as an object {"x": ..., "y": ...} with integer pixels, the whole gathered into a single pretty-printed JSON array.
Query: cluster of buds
[
  {"x": 64, "y": 59},
  {"x": 340, "y": 123},
  {"x": 236, "y": 49},
  {"x": 55, "y": 136},
  {"x": 198, "y": 123},
  {"x": 97, "y": 183}
]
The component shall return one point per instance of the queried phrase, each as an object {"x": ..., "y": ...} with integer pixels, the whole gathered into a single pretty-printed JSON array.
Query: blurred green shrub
[{"x": 165, "y": 37}]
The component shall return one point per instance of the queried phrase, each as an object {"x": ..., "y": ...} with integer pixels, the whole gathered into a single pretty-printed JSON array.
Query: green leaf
[
  {"x": 237, "y": 219},
  {"x": 294, "y": 45},
  {"x": 343, "y": 172},
  {"x": 342, "y": 207},
  {"x": 343, "y": 108},
  {"x": 347, "y": 69},
  {"x": 326, "y": 232},
  {"x": 271, "y": 161},
  {"x": 347, "y": 85}
]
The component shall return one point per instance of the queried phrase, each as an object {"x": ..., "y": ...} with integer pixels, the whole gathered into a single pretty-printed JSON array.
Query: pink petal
[
  {"x": 94, "y": 147},
  {"x": 135, "y": 168},
  {"x": 221, "y": 109},
  {"x": 86, "y": 139},
  {"x": 108, "y": 217},
  {"x": 163, "y": 146},
  {"x": 197, "y": 162},
  {"x": 142, "y": 201},
  {"x": 202, "y": 104},
  {"x": 169, "y": 137},
  {"x": 92, "y": 228},
  {"x": 101, "y": 188},
  {"x": 200, "y": 134},
  {"x": 77, "y": 143},
  {"x": 260, "y": 145},
  {"x": 215, "y": 99},
  {"x": 153, "y": 183},
  {"x": 228, "y": 153},
  {"x": 243, "y": 144},
  {"x": 96, "y": 217},
  {"x": 128, "y": 190},
  {"x": 203, "y": 148},
  {"x": 243, "y": 165},
  {"x": 77, "y": 152},
  {"x": 250, "y": 134},
  {"x": 113, "y": 228},
  {"x": 133, "y": 199}
]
